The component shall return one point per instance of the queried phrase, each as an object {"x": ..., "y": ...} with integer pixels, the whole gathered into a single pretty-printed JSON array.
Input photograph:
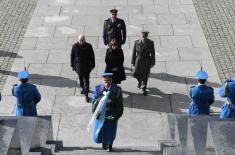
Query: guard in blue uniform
[
  {"x": 105, "y": 130},
  {"x": 228, "y": 90},
  {"x": 114, "y": 28},
  {"x": 27, "y": 96},
  {"x": 202, "y": 96}
]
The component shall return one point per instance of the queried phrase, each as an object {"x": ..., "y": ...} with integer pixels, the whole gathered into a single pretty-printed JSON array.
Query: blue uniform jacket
[
  {"x": 228, "y": 90},
  {"x": 202, "y": 97},
  {"x": 115, "y": 29},
  {"x": 114, "y": 110},
  {"x": 27, "y": 96}
]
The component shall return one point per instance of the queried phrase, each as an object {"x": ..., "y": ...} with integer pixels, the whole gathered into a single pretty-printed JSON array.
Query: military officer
[
  {"x": 83, "y": 62},
  {"x": 106, "y": 121},
  {"x": 228, "y": 90},
  {"x": 202, "y": 96},
  {"x": 114, "y": 28},
  {"x": 27, "y": 96},
  {"x": 143, "y": 59}
]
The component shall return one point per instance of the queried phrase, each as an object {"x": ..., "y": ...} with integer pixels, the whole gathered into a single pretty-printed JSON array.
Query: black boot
[{"x": 109, "y": 148}]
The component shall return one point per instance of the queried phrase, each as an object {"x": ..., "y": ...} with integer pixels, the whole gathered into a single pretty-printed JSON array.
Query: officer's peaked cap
[
  {"x": 144, "y": 31},
  {"x": 23, "y": 75},
  {"x": 202, "y": 75},
  {"x": 107, "y": 74},
  {"x": 113, "y": 11}
]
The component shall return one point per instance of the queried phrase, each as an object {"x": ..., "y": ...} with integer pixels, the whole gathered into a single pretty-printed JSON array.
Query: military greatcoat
[{"x": 143, "y": 57}]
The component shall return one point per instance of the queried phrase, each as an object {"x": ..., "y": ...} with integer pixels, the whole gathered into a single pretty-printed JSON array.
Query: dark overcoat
[
  {"x": 143, "y": 57},
  {"x": 82, "y": 58},
  {"x": 115, "y": 59},
  {"x": 115, "y": 29}
]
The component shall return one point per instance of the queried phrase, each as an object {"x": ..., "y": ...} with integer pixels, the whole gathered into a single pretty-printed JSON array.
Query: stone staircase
[
  {"x": 26, "y": 135},
  {"x": 178, "y": 134}
]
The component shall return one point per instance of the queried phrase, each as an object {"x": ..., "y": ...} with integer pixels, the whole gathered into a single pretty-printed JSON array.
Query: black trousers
[
  {"x": 144, "y": 82},
  {"x": 84, "y": 78}
]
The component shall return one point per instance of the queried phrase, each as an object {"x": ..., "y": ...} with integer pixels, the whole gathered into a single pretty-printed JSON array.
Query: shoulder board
[
  {"x": 211, "y": 88},
  {"x": 15, "y": 85},
  {"x": 229, "y": 81},
  {"x": 192, "y": 86},
  {"x": 32, "y": 85},
  {"x": 118, "y": 87}
]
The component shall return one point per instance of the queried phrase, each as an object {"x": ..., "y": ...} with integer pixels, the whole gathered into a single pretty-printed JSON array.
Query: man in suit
[
  {"x": 27, "y": 96},
  {"x": 202, "y": 96},
  {"x": 114, "y": 28},
  {"x": 143, "y": 59},
  {"x": 83, "y": 62}
]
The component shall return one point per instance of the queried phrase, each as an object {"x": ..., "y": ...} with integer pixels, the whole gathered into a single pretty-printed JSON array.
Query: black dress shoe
[
  {"x": 103, "y": 146},
  {"x": 109, "y": 148},
  {"x": 82, "y": 92},
  {"x": 139, "y": 85},
  {"x": 145, "y": 92},
  {"x": 87, "y": 99}
]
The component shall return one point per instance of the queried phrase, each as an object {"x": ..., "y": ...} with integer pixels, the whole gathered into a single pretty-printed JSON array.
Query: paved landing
[{"x": 181, "y": 50}]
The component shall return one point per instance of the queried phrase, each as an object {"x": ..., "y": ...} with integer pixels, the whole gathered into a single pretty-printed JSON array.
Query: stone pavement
[
  {"x": 181, "y": 49},
  {"x": 218, "y": 24},
  {"x": 14, "y": 18}
]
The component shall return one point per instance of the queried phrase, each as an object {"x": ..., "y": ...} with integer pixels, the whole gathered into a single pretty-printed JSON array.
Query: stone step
[
  {"x": 138, "y": 150},
  {"x": 9, "y": 136},
  {"x": 134, "y": 129},
  {"x": 197, "y": 139},
  {"x": 223, "y": 136},
  {"x": 192, "y": 130},
  {"x": 185, "y": 151},
  {"x": 23, "y": 135}
]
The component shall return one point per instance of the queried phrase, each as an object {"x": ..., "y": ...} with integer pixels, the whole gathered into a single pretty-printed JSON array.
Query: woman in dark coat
[{"x": 114, "y": 59}]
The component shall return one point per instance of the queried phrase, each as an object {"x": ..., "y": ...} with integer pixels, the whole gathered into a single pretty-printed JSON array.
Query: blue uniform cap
[
  {"x": 23, "y": 75},
  {"x": 107, "y": 74},
  {"x": 202, "y": 75}
]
